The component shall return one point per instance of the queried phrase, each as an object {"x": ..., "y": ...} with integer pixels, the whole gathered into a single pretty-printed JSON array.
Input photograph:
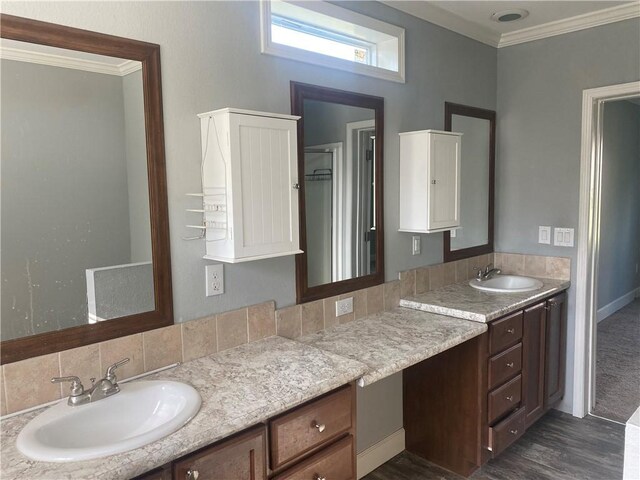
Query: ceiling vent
[{"x": 511, "y": 15}]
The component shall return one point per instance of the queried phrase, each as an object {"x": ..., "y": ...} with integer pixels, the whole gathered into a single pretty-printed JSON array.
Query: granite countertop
[
  {"x": 460, "y": 300},
  {"x": 239, "y": 388},
  {"x": 389, "y": 342}
]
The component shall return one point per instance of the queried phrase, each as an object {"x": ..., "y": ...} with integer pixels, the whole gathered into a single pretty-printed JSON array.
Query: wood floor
[
  {"x": 557, "y": 447},
  {"x": 618, "y": 364}
]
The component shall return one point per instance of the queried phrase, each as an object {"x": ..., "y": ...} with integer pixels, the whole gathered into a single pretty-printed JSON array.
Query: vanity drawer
[
  {"x": 505, "y": 398},
  {"x": 505, "y": 365},
  {"x": 505, "y": 332},
  {"x": 334, "y": 462},
  {"x": 506, "y": 432},
  {"x": 309, "y": 426}
]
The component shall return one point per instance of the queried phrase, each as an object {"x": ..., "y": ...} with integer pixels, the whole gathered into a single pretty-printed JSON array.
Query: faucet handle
[
  {"x": 479, "y": 271},
  {"x": 110, "y": 375},
  {"x": 76, "y": 384}
]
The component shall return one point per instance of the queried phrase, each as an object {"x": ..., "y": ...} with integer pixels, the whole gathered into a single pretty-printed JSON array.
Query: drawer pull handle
[
  {"x": 319, "y": 426},
  {"x": 319, "y": 477},
  {"x": 510, "y": 398},
  {"x": 192, "y": 474},
  {"x": 513, "y": 432},
  {"x": 510, "y": 364},
  {"x": 511, "y": 330}
]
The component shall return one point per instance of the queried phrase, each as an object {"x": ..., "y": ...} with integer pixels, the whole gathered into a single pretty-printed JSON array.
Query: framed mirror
[
  {"x": 477, "y": 181},
  {"x": 84, "y": 222},
  {"x": 340, "y": 145}
]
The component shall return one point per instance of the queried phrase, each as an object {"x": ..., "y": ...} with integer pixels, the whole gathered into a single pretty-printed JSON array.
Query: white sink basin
[
  {"x": 507, "y": 284},
  {"x": 141, "y": 413}
]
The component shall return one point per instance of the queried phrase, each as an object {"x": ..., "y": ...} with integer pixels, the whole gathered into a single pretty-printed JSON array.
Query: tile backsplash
[{"x": 26, "y": 383}]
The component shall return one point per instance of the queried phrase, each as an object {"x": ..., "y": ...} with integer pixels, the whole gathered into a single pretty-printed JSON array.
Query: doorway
[
  {"x": 589, "y": 238},
  {"x": 617, "y": 356}
]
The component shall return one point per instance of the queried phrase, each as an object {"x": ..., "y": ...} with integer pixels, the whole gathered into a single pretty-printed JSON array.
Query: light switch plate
[
  {"x": 214, "y": 277},
  {"x": 563, "y": 237},
  {"x": 544, "y": 235}
]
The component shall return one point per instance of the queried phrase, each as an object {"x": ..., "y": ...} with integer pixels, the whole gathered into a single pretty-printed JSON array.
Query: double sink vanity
[{"x": 281, "y": 408}]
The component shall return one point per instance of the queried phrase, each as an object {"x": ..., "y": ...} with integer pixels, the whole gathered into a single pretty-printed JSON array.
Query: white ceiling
[{"x": 546, "y": 18}]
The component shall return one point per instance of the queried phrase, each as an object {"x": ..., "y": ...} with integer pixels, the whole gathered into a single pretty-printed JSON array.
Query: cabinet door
[
  {"x": 265, "y": 170},
  {"x": 240, "y": 457},
  {"x": 533, "y": 362},
  {"x": 444, "y": 181},
  {"x": 555, "y": 345}
]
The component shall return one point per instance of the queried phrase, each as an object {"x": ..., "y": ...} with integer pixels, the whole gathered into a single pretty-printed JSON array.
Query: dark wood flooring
[{"x": 558, "y": 447}]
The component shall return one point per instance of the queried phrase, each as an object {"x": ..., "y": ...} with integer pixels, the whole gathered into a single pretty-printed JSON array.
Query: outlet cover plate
[
  {"x": 544, "y": 235},
  {"x": 415, "y": 245},
  {"x": 214, "y": 277},
  {"x": 344, "y": 307}
]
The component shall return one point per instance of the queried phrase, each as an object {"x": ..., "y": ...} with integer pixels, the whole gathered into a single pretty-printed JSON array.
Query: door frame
[{"x": 593, "y": 100}]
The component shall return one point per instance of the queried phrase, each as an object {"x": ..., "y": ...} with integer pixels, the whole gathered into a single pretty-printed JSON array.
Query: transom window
[{"x": 324, "y": 34}]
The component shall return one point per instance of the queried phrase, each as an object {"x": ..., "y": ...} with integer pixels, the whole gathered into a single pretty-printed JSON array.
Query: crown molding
[
  {"x": 446, "y": 19},
  {"x": 20, "y": 55},
  {"x": 451, "y": 21},
  {"x": 571, "y": 24}
]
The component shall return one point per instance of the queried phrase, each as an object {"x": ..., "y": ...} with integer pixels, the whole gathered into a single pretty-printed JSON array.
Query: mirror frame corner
[
  {"x": 451, "y": 109},
  {"x": 299, "y": 93},
  {"x": 54, "y": 35}
]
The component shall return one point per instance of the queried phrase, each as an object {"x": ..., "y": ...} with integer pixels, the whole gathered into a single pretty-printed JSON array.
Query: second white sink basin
[
  {"x": 507, "y": 284},
  {"x": 141, "y": 413}
]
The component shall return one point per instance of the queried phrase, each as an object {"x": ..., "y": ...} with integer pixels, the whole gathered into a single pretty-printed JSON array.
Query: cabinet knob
[
  {"x": 514, "y": 431},
  {"x": 296, "y": 186},
  {"x": 192, "y": 475},
  {"x": 319, "y": 426},
  {"x": 317, "y": 476},
  {"x": 509, "y": 398},
  {"x": 433, "y": 182},
  {"x": 511, "y": 330},
  {"x": 510, "y": 364}
]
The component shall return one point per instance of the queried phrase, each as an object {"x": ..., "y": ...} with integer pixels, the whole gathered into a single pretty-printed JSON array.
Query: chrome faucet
[
  {"x": 103, "y": 388},
  {"x": 487, "y": 272}
]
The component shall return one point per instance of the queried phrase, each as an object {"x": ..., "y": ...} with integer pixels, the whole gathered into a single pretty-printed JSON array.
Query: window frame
[{"x": 271, "y": 48}]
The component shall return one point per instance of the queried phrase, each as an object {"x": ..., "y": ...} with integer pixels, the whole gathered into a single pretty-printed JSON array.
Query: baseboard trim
[
  {"x": 380, "y": 453},
  {"x": 617, "y": 304}
]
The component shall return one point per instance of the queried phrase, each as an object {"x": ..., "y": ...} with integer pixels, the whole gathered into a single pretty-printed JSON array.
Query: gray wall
[
  {"x": 137, "y": 178},
  {"x": 620, "y": 211},
  {"x": 539, "y": 120},
  {"x": 63, "y": 209},
  {"x": 211, "y": 59}
]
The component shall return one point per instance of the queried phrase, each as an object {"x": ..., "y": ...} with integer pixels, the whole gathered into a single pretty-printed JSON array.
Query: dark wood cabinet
[
  {"x": 555, "y": 349},
  {"x": 313, "y": 440},
  {"x": 242, "y": 456},
  {"x": 533, "y": 362}
]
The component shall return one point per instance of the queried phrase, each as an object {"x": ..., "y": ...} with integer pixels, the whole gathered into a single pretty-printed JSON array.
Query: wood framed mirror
[
  {"x": 59, "y": 289},
  {"x": 477, "y": 178},
  {"x": 340, "y": 145}
]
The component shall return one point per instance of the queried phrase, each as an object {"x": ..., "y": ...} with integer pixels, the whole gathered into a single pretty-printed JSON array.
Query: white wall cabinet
[
  {"x": 250, "y": 184},
  {"x": 429, "y": 181}
]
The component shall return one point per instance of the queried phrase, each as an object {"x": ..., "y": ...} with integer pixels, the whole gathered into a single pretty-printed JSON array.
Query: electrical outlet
[
  {"x": 544, "y": 235},
  {"x": 415, "y": 245},
  {"x": 344, "y": 306},
  {"x": 215, "y": 279}
]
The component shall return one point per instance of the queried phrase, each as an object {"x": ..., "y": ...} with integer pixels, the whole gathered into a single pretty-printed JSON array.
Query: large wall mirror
[
  {"x": 340, "y": 169},
  {"x": 477, "y": 181},
  {"x": 84, "y": 224}
]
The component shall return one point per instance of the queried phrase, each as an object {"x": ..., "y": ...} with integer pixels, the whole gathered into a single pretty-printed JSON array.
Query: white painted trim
[
  {"x": 612, "y": 307},
  {"x": 456, "y": 23},
  {"x": 571, "y": 24},
  {"x": 380, "y": 453},
  {"x": 267, "y": 46},
  {"x": 120, "y": 70},
  {"x": 588, "y": 233}
]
